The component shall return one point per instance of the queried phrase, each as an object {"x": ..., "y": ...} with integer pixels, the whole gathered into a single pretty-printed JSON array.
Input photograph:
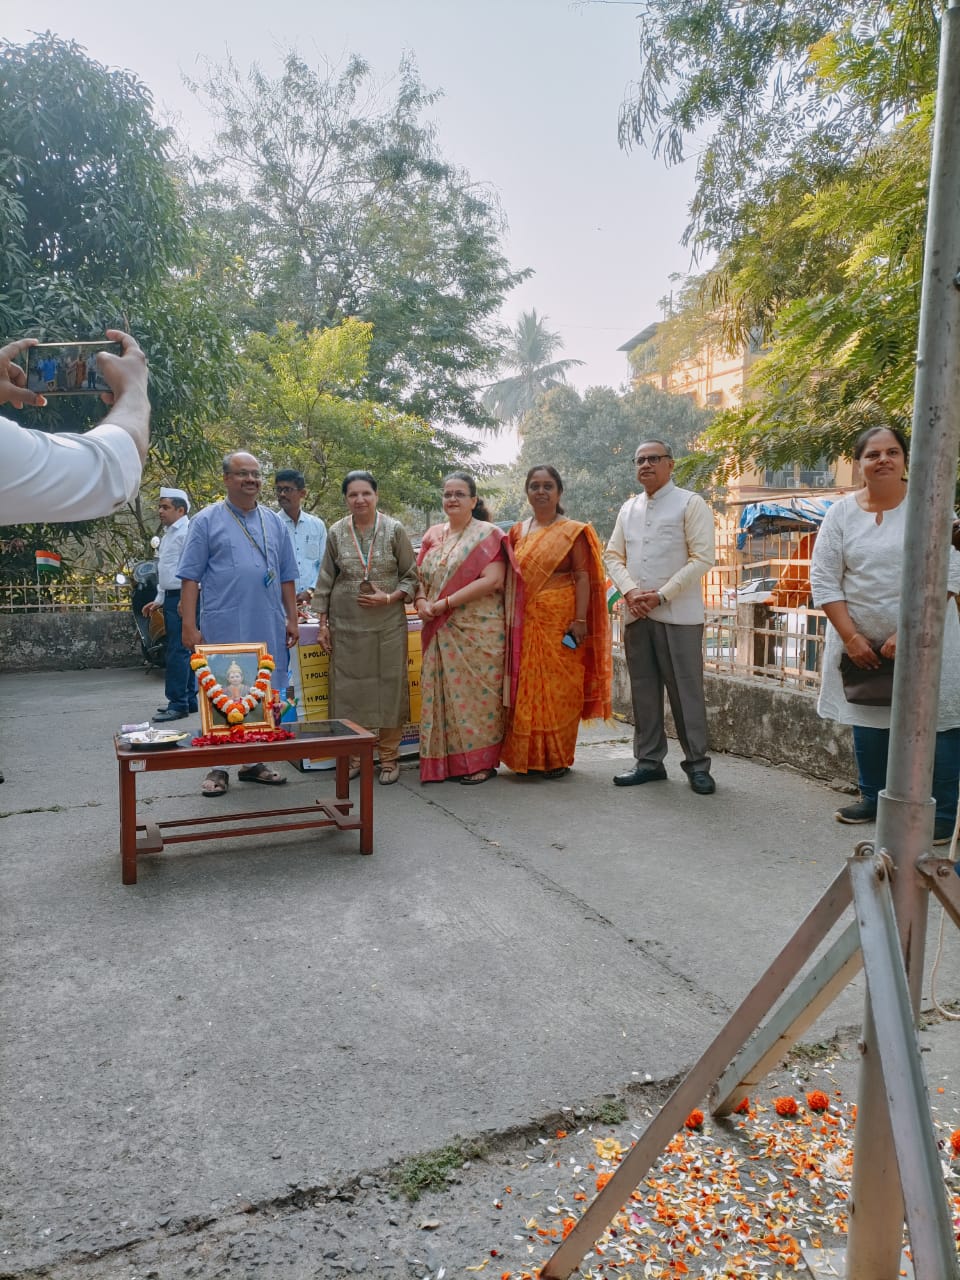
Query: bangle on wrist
[
  {"x": 583, "y": 620},
  {"x": 449, "y": 605}
]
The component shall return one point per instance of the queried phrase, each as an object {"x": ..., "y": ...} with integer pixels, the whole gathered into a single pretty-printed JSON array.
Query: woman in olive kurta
[{"x": 368, "y": 572}]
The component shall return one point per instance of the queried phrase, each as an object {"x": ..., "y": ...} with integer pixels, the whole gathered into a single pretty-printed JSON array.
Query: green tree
[
  {"x": 320, "y": 201},
  {"x": 811, "y": 190},
  {"x": 765, "y": 87},
  {"x": 93, "y": 234},
  {"x": 529, "y": 349},
  {"x": 591, "y": 440},
  {"x": 300, "y": 404}
]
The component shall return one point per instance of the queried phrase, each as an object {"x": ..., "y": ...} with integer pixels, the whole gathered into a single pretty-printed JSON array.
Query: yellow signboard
[{"x": 313, "y": 686}]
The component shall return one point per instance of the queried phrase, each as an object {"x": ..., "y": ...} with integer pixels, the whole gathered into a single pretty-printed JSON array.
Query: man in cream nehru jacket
[
  {"x": 660, "y": 548},
  {"x": 181, "y": 684}
]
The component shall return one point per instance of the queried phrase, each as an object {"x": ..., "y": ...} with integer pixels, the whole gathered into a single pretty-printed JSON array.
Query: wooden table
[{"x": 337, "y": 739}]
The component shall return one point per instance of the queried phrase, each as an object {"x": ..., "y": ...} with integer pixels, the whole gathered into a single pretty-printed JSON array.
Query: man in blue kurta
[{"x": 239, "y": 554}]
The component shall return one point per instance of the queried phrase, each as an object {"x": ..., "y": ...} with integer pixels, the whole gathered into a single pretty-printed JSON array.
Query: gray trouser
[{"x": 667, "y": 654}]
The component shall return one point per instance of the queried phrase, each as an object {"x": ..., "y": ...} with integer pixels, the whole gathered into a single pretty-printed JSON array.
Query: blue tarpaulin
[{"x": 791, "y": 513}]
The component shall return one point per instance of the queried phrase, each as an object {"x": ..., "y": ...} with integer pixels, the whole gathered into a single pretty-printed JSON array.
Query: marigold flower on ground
[
  {"x": 694, "y": 1120},
  {"x": 785, "y": 1106},
  {"x": 608, "y": 1148},
  {"x": 743, "y": 1107},
  {"x": 602, "y": 1180},
  {"x": 955, "y": 1143},
  {"x": 818, "y": 1101},
  {"x": 568, "y": 1225},
  {"x": 561, "y": 1133}
]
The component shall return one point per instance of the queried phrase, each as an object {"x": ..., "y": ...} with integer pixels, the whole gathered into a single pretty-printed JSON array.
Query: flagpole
[{"x": 905, "y": 809}]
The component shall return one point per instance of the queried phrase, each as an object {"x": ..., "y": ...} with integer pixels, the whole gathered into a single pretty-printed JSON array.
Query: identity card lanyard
[
  {"x": 269, "y": 576},
  {"x": 366, "y": 586}
]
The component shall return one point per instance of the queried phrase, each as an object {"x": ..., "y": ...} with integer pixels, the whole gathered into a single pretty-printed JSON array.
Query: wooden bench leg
[
  {"x": 128, "y": 823},
  {"x": 366, "y": 800}
]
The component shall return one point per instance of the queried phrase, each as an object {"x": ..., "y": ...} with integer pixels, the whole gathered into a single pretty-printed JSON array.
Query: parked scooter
[{"x": 153, "y": 640}]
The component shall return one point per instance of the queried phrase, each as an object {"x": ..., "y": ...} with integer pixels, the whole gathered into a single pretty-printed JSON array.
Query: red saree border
[{"x": 459, "y": 764}]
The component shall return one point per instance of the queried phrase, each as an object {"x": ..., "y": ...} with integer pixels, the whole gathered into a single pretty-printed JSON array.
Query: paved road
[{"x": 251, "y": 1016}]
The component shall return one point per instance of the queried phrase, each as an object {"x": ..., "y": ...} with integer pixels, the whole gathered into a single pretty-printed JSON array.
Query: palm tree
[{"x": 528, "y": 350}]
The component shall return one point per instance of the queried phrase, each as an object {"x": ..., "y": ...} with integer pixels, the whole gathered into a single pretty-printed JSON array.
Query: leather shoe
[
  {"x": 169, "y": 714},
  {"x": 702, "y": 783},
  {"x": 642, "y": 773}
]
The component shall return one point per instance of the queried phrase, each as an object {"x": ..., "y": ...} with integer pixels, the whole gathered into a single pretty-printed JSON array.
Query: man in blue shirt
[
  {"x": 308, "y": 533},
  {"x": 239, "y": 552}
]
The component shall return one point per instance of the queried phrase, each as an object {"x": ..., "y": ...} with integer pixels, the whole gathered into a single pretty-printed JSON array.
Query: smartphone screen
[{"x": 67, "y": 368}]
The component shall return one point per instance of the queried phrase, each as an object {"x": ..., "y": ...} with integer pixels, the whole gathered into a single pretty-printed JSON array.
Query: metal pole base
[{"x": 824, "y": 1264}]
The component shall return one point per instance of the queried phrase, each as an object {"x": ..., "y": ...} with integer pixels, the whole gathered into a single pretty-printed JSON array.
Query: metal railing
[
  {"x": 784, "y": 645},
  {"x": 73, "y": 595},
  {"x": 758, "y": 642}
]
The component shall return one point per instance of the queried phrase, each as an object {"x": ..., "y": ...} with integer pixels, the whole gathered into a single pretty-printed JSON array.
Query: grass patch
[
  {"x": 815, "y": 1051},
  {"x": 611, "y": 1111},
  {"x": 429, "y": 1171}
]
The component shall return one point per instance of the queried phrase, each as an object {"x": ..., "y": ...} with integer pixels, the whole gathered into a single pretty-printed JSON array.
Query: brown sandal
[
  {"x": 261, "y": 773},
  {"x": 215, "y": 783},
  {"x": 389, "y": 772}
]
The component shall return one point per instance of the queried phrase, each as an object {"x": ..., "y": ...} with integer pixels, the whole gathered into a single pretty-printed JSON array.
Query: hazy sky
[{"x": 531, "y": 92}]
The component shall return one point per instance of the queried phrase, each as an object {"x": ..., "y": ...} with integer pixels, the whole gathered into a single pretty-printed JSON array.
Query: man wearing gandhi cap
[{"x": 181, "y": 684}]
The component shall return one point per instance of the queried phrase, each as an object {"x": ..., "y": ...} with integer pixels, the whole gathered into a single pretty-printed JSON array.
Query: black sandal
[{"x": 475, "y": 779}]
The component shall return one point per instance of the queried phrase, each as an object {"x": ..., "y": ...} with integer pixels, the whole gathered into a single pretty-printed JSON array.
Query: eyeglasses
[
  {"x": 457, "y": 493},
  {"x": 246, "y": 475},
  {"x": 284, "y": 488},
  {"x": 653, "y": 458}
]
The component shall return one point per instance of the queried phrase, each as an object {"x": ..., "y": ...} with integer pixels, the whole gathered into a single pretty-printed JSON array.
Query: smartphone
[{"x": 67, "y": 368}]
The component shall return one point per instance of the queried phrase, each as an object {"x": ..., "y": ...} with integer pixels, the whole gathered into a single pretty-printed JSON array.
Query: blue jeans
[
  {"x": 871, "y": 747},
  {"x": 181, "y": 684}
]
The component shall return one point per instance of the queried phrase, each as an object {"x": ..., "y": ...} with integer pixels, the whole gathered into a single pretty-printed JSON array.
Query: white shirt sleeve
[
  {"x": 826, "y": 562},
  {"x": 700, "y": 537},
  {"x": 615, "y": 557},
  {"x": 59, "y": 477}
]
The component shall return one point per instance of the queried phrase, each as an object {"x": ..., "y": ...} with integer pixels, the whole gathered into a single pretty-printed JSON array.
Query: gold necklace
[{"x": 446, "y": 551}]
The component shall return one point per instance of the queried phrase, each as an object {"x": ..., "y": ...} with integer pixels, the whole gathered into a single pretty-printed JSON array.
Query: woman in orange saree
[{"x": 566, "y": 665}]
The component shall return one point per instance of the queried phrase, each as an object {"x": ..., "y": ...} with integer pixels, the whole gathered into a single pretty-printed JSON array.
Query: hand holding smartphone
[{"x": 68, "y": 368}]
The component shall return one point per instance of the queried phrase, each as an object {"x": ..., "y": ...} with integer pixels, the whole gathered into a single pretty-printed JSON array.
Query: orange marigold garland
[
  {"x": 234, "y": 709},
  {"x": 785, "y": 1106},
  {"x": 818, "y": 1101}
]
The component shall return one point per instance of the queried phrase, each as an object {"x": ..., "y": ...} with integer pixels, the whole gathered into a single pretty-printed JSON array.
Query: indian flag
[
  {"x": 47, "y": 560},
  {"x": 613, "y": 595}
]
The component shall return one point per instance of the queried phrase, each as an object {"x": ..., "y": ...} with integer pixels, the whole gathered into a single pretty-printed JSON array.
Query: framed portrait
[{"x": 231, "y": 689}]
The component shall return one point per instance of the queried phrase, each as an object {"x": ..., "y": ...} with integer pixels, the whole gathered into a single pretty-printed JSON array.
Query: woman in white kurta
[{"x": 855, "y": 575}]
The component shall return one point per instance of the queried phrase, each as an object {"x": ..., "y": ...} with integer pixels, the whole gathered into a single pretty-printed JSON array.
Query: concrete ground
[{"x": 255, "y": 1018}]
